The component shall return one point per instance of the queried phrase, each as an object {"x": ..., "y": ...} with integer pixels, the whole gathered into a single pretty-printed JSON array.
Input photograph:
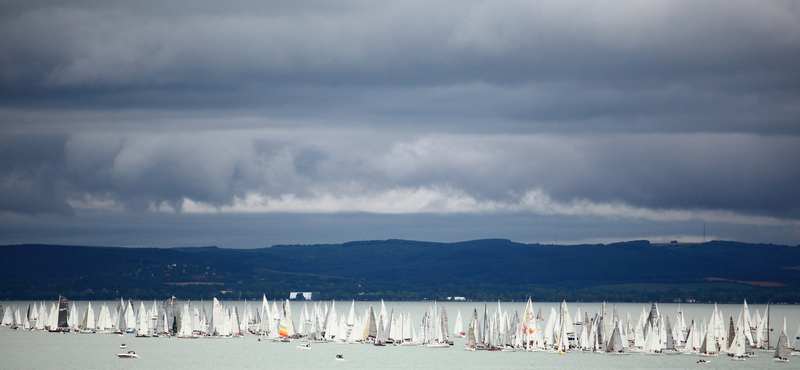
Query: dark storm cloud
[
  {"x": 543, "y": 63},
  {"x": 32, "y": 175},
  {"x": 669, "y": 112}
]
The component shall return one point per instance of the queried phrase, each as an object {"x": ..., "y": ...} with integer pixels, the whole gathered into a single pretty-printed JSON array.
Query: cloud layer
[{"x": 661, "y": 112}]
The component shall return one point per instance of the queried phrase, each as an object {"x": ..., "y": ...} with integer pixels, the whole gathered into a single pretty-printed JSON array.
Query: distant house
[{"x": 308, "y": 296}]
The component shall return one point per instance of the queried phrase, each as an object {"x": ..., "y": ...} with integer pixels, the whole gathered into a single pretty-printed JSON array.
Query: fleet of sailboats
[{"x": 606, "y": 331}]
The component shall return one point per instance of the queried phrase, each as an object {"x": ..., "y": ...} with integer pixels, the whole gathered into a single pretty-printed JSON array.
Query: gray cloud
[
  {"x": 745, "y": 174},
  {"x": 661, "y": 66},
  {"x": 394, "y": 107}
]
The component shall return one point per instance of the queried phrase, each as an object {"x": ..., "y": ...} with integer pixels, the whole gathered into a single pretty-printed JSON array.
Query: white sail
[
  {"x": 351, "y": 316},
  {"x": 689, "y": 347},
  {"x": 88, "y": 323},
  {"x": 53, "y": 318},
  {"x": 569, "y": 327},
  {"x": 301, "y": 324},
  {"x": 782, "y": 349},
  {"x": 264, "y": 313},
  {"x": 794, "y": 340},
  {"x": 34, "y": 313},
  {"x": 41, "y": 322},
  {"x": 276, "y": 318},
  {"x": 108, "y": 326},
  {"x": 738, "y": 351},
  {"x": 143, "y": 324},
  {"x": 130, "y": 317},
  {"x": 26, "y": 324},
  {"x": 341, "y": 336},
  {"x": 710, "y": 348},
  {"x": 583, "y": 338},
  {"x": 383, "y": 314},
  {"x": 651, "y": 344},
  {"x": 355, "y": 332},
  {"x": 287, "y": 310},
  {"x": 102, "y": 321},
  {"x": 762, "y": 330},
  {"x": 458, "y": 330},
  {"x": 236, "y": 329},
  {"x": 550, "y": 327},
  {"x": 747, "y": 324},
  {"x": 186, "y": 330},
  {"x": 217, "y": 318},
  {"x": 331, "y": 325}
]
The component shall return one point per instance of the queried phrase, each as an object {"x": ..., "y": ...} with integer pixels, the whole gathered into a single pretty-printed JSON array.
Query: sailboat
[
  {"x": 41, "y": 320},
  {"x": 782, "y": 351},
  {"x": 472, "y": 337},
  {"x": 615, "y": 344},
  {"x": 458, "y": 332},
  {"x": 284, "y": 326},
  {"x": 738, "y": 352},
  {"x": 651, "y": 345},
  {"x": 61, "y": 323},
  {"x": 379, "y": 338},
  {"x": 670, "y": 341},
  {"x": 795, "y": 350},
  {"x": 762, "y": 340},
  {"x": 709, "y": 346},
  {"x": 370, "y": 327},
  {"x": 186, "y": 331},
  {"x": 130, "y": 318},
  {"x": 142, "y": 323},
  {"x": 88, "y": 324}
]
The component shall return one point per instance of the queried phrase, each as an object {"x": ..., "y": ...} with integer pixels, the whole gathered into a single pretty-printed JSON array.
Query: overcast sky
[{"x": 249, "y": 124}]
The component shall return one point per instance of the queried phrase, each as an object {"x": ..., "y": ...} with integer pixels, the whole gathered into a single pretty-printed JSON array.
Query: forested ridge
[{"x": 719, "y": 271}]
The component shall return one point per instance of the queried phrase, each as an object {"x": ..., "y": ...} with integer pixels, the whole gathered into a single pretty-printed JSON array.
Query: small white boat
[
  {"x": 122, "y": 346},
  {"x": 304, "y": 346},
  {"x": 702, "y": 361},
  {"x": 130, "y": 354},
  {"x": 339, "y": 358}
]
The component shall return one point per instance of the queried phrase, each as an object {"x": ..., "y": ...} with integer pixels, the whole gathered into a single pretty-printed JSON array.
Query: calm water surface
[{"x": 42, "y": 350}]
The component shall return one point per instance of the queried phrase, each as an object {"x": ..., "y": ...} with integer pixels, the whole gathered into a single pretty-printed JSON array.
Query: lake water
[{"x": 43, "y": 350}]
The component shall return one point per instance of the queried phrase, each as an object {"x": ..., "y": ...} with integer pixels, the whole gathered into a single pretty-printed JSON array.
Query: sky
[{"x": 249, "y": 124}]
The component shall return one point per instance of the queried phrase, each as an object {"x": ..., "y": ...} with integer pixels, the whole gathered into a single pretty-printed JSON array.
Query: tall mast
[{"x": 768, "y": 315}]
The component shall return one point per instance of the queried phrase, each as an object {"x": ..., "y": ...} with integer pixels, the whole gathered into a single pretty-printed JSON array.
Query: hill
[{"x": 400, "y": 269}]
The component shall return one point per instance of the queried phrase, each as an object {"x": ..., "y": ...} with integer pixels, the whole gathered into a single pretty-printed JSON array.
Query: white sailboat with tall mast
[
  {"x": 88, "y": 323},
  {"x": 458, "y": 330},
  {"x": 782, "y": 350}
]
